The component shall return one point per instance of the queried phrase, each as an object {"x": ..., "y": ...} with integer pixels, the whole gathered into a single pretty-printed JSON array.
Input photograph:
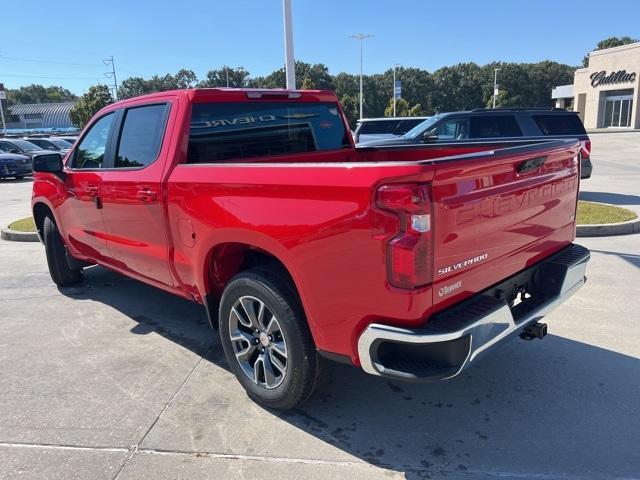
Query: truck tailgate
[{"x": 498, "y": 212}]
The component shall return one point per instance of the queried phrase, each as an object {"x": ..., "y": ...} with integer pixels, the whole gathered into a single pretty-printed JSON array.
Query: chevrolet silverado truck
[{"x": 409, "y": 262}]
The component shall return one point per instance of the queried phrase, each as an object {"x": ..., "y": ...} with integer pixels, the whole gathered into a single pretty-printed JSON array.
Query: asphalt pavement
[{"x": 115, "y": 379}]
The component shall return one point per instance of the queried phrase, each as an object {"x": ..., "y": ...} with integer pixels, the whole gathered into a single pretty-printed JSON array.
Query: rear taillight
[
  {"x": 410, "y": 253},
  {"x": 585, "y": 148}
]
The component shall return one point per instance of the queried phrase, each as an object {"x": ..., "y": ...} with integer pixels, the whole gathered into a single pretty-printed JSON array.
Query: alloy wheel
[{"x": 258, "y": 342}]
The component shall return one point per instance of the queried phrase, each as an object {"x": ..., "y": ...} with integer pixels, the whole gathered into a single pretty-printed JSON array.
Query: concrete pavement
[{"x": 115, "y": 379}]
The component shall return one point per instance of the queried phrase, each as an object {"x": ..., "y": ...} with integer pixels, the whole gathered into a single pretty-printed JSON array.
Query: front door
[
  {"x": 617, "y": 111},
  {"x": 80, "y": 214},
  {"x": 131, "y": 194}
]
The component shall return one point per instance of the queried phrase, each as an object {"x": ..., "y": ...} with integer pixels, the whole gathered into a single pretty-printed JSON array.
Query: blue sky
[{"x": 148, "y": 37}]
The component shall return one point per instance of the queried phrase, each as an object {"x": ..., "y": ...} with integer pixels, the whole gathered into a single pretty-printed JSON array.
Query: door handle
[
  {"x": 92, "y": 190},
  {"x": 147, "y": 195},
  {"x": 530, "y": 165}
]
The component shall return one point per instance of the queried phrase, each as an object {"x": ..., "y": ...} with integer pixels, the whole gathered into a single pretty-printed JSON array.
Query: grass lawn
[
  {"x": 23, "y": 225},
  {"x": 590, "y": 213}
]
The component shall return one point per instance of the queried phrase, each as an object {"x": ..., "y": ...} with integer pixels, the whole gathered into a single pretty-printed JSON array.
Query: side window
[
  {"x": 141, "y": 136},
  {"x": 454, "y": 129},
  {"x": 494, "y": 126},
  {"x": 9, "y": 148},
  {"x": 90, "y": 151}
]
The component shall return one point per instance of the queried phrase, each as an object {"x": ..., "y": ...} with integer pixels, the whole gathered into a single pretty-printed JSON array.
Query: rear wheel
[
  {"x": 267, "y": 341},
  {"x": 59, "y": 269}
]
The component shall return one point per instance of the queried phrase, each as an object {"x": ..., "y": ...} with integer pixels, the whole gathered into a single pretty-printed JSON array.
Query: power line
[
  {"x": 34, "y": 60},
  {"x": 46, "y": 76}
]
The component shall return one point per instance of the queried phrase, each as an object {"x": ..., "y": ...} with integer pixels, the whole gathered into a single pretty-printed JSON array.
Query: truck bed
[{"x": 315, "y": 214}]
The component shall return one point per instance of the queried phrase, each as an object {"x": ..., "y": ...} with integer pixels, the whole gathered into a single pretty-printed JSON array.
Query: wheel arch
[
  {"x": 224, "y": 260},
  {"x": 40, "y": 211}
]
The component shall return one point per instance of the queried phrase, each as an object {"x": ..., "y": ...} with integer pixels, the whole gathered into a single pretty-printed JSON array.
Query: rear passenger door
[{"x": 131, "y": 194}]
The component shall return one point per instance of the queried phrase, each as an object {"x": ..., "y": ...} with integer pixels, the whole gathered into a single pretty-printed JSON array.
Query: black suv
[{"x": 509, "y": 124}]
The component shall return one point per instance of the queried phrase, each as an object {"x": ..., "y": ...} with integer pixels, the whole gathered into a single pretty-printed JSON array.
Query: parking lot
[{"x": 115, "y": 379}]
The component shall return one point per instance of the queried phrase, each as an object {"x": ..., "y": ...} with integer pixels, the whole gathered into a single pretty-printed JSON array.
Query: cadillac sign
[{"x": 621, "y": 76}]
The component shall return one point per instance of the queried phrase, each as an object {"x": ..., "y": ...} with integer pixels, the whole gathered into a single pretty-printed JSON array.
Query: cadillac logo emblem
[{"x": 621, "y": 76}]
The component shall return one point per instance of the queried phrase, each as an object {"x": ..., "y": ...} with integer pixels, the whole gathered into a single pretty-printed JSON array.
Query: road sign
[
  {"x": 3, "y": 95},
  {"x": 397, "y": 89}
]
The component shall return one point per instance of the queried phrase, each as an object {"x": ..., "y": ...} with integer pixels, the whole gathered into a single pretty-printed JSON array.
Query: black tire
[
  {"x": 20, "y": 177},
  {"x": 303, "y": 364},
  {"x": 61, "y": 273}
]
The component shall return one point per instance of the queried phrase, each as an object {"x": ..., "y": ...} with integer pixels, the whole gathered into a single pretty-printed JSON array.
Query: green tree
[
  {"x": 134, "y": 86},
  {"x": 402, "y": 108},
  {"x": 610, "y": 43},
  {"x": 96, "y": 98},
  {"x": 318, "y": 74},
  {"x": 39, "y": 94},
  {"x": 350, "y": 106},
  {"x": 416, "y": 111},
  {"x": 307, "y": 84},
  {"x": 238, "y": 78}
]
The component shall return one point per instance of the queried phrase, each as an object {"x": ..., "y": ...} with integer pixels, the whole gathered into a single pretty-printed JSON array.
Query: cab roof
[{"x": 201, "y": 95}]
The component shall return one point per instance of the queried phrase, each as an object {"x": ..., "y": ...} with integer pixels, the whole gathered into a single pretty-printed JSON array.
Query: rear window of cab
[{"x": 222, "y": 132}]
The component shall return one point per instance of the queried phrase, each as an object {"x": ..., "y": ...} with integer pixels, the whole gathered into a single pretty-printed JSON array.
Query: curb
[
  {"x": 13, "y": 236},
  {"x": 621, "y": 228}
]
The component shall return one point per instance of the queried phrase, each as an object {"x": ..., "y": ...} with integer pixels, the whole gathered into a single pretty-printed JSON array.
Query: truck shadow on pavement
[
  {"x": 612, "y": 198},
  {"x": 632, "y": 258},
  {"x": 556, "y": 407}
]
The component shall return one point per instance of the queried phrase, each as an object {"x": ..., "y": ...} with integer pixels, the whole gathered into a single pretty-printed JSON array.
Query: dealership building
[{"x": 607, "y": 92}]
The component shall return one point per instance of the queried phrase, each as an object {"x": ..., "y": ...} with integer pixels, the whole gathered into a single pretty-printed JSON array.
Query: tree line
[{"x": 459, "y": 87}]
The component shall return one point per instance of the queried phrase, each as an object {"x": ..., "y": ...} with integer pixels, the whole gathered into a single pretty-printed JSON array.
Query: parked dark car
[
  {"x": 68, "y": 139},
  {"x": 21, "y": 147},
  {"x": 53, "y": 143},
  {"x": 505, "y": 124},
  {"x": 14, "y": 165}
]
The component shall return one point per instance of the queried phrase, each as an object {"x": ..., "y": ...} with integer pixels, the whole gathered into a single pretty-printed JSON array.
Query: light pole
[
  {"x": 361, "y": 37},
  {"x": 394, "y": 87},
  {"x": 495, "y": 85},
  {"x": 290, "y": 67}
]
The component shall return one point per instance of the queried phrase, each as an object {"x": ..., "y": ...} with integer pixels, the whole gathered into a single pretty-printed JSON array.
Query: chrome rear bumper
[{"x": 455, "y": 338}]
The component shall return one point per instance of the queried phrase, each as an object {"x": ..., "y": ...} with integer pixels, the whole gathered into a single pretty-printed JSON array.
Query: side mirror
[
  {"x": 430, "y": 136},
  {"x": 47, "y": 163},
  {"x": 14, "y": 150}
]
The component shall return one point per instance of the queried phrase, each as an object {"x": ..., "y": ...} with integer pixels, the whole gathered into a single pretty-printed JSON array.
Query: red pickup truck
[{"x": 410, "y": 262}]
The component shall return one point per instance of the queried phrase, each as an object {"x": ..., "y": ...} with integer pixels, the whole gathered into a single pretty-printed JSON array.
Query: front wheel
[
  {"x": 59, "y": 269},
  {"x": 267, "y": 341}
]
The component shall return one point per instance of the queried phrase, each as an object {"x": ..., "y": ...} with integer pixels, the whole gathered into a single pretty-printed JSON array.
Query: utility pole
[
  {"x": 112, "y": 74},
  {"x": 361, "y": 37},
  {"x": 495, "y": 85},
  {"x": 290, "y": 65},
  {"x": 226, "y": 69},
  {"x": 394, "y": 87}
]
